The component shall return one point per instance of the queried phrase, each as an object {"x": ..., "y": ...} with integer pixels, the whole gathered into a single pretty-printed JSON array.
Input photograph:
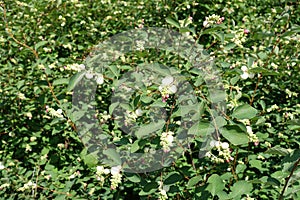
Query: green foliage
[{"x": 250, "y": 150}]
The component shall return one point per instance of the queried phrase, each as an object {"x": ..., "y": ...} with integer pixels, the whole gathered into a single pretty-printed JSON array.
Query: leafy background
[{"x": 42, "y": 156}]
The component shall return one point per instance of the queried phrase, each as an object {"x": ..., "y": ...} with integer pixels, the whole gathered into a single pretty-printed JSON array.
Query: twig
[{"x": 288, "y": 179}]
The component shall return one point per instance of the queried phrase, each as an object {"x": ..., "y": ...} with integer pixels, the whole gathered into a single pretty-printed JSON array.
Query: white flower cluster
[
  {"x": 100, "y": 174},
  {"x": 167, "y": 87},
  {"x": 186, "y": 22},
  {"x": 21, "y": 96},
  {"x": 162, "y": 191},
  {"x": 246, "y": 73},
  {"x": 116, "y": 177},
  {"x": 54, "y": 113},
  {"x": 273, "y": 107},
  {"x": 104, "y": 116},
  {"x": 212, "y": 19},
  {"x": 27, "y": 186},
  {"x": 140, "y": 45},
  {"x": 5, "y": 185},
  {"x": 74, "y": 175},
  {"x": 29, "y": 115},
  {"x": 166, "y": 140},
  {"x": 239, "y": 36},
  {"x": 223, "y": 150},
  {"x": 75, "y": 67},
  {"x": 62, "y": 19},
  {"x": 131, "y": 116},
  {"x": 252, "y": 137}
]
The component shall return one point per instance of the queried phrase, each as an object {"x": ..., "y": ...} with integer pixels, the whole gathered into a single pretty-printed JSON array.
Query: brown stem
[{"x": 288, "y": 179}]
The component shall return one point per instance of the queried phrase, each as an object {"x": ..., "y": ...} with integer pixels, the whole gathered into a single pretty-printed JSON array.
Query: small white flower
[
  {"x": 224, "y": 145},
  {"x": 138, "y": 112},
  {"x": 115, "y": 170},
  {"x": 100, "y": 79},
  {"x": 246, "y": 74},
  {"x": 21, "y": 96},
  {"x": 89, "y": 75},
  {"x": 2, "y": 166},
  {"x": 244, "y": 68},
  {"x": 170, "y": 139},
  {"x": 167, "y": 87},
  {"x": 173, "y": 89},
  {"x": 167, "y": 81},
  {"x": 249, "y": 129},
  {"x": 163, "y": 192},
  {"x": 212, "y": 143},
  {"x": 81, "y": 66}
]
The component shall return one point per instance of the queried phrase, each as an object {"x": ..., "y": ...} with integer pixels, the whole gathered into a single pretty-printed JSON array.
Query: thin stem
[{"x": 288, "y": 179}]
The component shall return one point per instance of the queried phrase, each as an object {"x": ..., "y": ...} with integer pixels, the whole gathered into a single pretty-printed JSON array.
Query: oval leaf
[{"x": 244, "y": 112}]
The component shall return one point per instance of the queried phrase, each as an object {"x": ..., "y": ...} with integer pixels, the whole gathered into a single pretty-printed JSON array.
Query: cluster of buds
[
  {"x": 116, "y": 177},
  {"x": 167, "y": 87},
  {"x": 21, "y": 96},
  {"x": 162, "y": 191},
  {"x": 131, "y": 116},
  {"x": 212, "y": 19},
  {"x": 223, "y": 152},
  {"x": 240, "y": 36},
  {"x": 166, "y": 140},
  {"x": 103, "y": 116},
  {"x": 54, "y": 113},
  {"x": 252, "y": 137},
  {"x": 27, "y": 186},
  {"x": 100, "y": 174},
  {"x": 75, "y": 67}
]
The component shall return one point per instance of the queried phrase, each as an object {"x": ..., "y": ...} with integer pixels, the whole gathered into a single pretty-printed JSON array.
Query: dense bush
[{"x": 243, "y": 141}]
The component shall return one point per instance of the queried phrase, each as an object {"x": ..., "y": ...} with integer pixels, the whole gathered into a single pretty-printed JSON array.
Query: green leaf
[
  {"x": 235, "y": 135},
  {"x": 294, "y": 124},
  {"x": 113, "y": 155},
  {"x": 76, "y": 115},
  {"x": 244, "y": 111},
  {"x": 230, "y": 46},
  {"x": 173, "y": 178},
  {"x": 40, "y": 44},
  {"x": 256, "y": 164},
  {"x": 263, "y": 71},
  {"x": 114, "y": 69},
  {"x": 133, "y": 178},
  {"x": 89, "y": 159},
  {"x": 262, "y": 55},
  {"x": 193, "y": 181},
  {"x": 75, "y": 80},
  {"x": 112, "y": 107},
  {"x": 277, "y": 150},
  {"x": 172, "y": 22},
  {"x": 215, "y": 185},
  {"x": 60, "y": 81},
  {"x": 219, "y": 122},
  {"x": 149, "y": 188},
  {"x": 240, "y": 188},
  {"x": 149, "y": 128}
]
